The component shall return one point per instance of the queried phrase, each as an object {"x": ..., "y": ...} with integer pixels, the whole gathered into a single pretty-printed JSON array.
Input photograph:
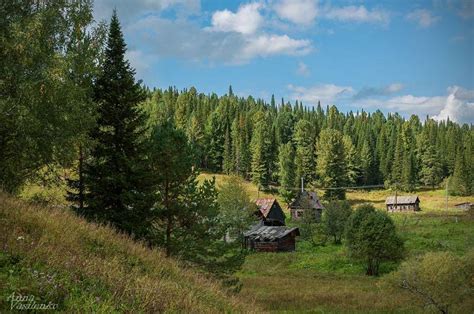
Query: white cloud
[
  {"x": 378, "y": 91},
  {"x": 303, "y": 69},
  {"x": 423, "y": 18},
  {"x": 186, "y": 40},
  {"x": 266, "y": 45},
  {"x": 129, "y": 10},
  {"x": 459, "y": 106},
  {"x": 357, "y": 14},
  {"x": 327, "y": 94},
  {"x": 297, "y": 11},
  {"x": 246, "y": 20}
]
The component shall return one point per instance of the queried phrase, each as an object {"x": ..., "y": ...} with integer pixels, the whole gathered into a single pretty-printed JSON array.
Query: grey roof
[
  {"x": 306, "y": 199},
  {"x": 402, "y": 199},
  {"x": 269, "y": 233}
]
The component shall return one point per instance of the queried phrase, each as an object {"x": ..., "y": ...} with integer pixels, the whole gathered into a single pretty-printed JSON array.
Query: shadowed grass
[{"x": 60, "y": 258}]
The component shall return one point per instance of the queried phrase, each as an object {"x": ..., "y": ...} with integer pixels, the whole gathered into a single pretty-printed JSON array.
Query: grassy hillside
[{"x": 57, "y": 257}]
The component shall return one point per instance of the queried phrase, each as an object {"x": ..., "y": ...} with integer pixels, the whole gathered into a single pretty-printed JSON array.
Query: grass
[
  {"x": 57, "y": 257},
  {"x": 320, "y": 279}
]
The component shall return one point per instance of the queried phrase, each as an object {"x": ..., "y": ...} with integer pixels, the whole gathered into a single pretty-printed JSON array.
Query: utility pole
[
  {"x": 446, "y": 194},
  {"x": 302, "y": 184},
  {"x": 396, "y": 196}
]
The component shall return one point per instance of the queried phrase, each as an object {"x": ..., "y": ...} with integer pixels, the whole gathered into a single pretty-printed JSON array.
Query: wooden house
[
  {"x": 270, "y": 212},
  {"x": 263, "y": 238},
  {"x": 403, "y": 203},
  {"x": 303, "y": 202},
  {"x": 465, "y": 206}
]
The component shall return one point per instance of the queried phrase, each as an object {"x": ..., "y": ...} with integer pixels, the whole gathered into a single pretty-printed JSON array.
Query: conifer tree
[
  {"x": 305, "y": 153},
  {"x": 460, "y": 183},
  {"x": 352, "y": 162},
  {"x": 260, "y": 146},
  {"x": 331, "y": 163},
  {"x": 118, "y": 184},
  {"x": 286, "y": 165},
  {"x": 227, "y": 163},
  {"x": 431, "y": 171}
]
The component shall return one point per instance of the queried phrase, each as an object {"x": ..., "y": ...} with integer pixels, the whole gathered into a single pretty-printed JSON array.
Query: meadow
[{"x": 323, "y": 279}]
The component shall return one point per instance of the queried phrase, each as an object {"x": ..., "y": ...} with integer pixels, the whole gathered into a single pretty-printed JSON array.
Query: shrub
[
  {"x": 335, "y": 216},
  {"x": 371, "y": 237},
  {"x": 437, "y": 280}
]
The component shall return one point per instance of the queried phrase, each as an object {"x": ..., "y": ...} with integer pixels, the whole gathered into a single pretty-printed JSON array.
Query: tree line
[{"x": 281, "y": 144}]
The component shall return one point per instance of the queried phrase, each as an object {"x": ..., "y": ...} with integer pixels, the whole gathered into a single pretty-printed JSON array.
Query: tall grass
[{"x": 58, "y": 257}]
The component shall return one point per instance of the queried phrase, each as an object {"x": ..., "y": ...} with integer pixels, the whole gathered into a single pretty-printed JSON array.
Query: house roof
[
  {"x": 465, "y": 203},
  {"x": 265, "y": 204},
  {"x": 269, "y": 233},
  {"x": 306, "y": 199},
  {"x": 403, "y": 199}
]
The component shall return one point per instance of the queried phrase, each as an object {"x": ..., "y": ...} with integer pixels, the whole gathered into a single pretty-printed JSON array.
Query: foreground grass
[{"x": 57, "y": 257}]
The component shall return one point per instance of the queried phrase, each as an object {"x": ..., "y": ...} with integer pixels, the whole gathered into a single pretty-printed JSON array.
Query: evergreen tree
[
  {"x": 352, "y": 162},
  {"x": 305, "y": 154},
  {"x": 331, "y": 163},
  {"x": 431, "y": 171},
  {"x": 286, "y": 165},
  {"x": 227, "y": 163},
  {"x": 260, "y": 146},
  {"x": 460, "y": 183},
  {"x": 118, "y": 184}
]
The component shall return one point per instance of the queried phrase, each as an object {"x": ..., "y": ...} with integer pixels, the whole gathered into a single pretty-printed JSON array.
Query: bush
[
  {"x": 371, "y": 237},
  {"x": 437, "y": 280},
  {"x": 335, "y": 216}
]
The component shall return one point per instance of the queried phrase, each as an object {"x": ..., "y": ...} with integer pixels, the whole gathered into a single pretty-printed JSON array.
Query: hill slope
[{"x": 59, "y": 258}]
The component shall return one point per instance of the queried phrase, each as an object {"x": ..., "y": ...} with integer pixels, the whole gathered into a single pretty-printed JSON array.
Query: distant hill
[{"x": 57, "y": 257}]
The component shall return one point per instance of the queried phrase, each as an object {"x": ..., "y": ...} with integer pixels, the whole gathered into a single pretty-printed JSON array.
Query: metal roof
[
  {"x": 269, "y": 233},
  {"x": 405, "y": 199}
]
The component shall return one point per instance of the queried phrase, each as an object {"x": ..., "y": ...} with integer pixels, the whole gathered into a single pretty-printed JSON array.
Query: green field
[{"x": 322, "y": 279}]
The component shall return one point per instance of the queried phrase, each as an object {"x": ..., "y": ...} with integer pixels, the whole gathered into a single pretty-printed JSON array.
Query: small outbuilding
[
  {"x": 403, "y": 203},
  {"x": 305, "y": 201},
  {"x": 465, "y": 206},
  {"x": 270, "y": 212},
  {"x": 263, "y": 238}
]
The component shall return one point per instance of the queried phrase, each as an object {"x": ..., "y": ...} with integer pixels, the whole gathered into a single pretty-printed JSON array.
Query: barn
[
  {"x": 403, "y": 203},
  {"x": 263, "y": 238},
  {"x": 303, "y": 202},
  {"x": 270, "y": 212}
]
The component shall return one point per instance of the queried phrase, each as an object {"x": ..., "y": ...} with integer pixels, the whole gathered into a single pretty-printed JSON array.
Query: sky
[{"x": 405, "y": 56}]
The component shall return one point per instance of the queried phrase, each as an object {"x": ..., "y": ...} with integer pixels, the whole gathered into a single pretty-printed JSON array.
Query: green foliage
[
  {"x": 441, "y": 281},
  {"x": 260, "y": 147},
  {"x": 286, "y": 174},
  {"x": 117, "y": 180},
  {"x": 371, "y": 236},
  {"x": 236, "y": 208},
  {"x": 48, "y": 62},
  {"x": 331, "y": 163},
  {"x": 187, "y": 219},
  {"x": 335, "y": 217},
  {"x": 305, "y": 155}
]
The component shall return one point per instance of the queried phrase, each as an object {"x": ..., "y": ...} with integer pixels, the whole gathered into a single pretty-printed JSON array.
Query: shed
[
  {"x": 465, "y": 205},
  {"x": 270, "y": 212},
  {"x": 403, "y": 203},
  {"x": 304, "y": 201},
  {"x": 263, "y": 238}
]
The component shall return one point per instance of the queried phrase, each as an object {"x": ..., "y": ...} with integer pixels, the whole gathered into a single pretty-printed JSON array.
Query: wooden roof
[
  {"x": 269, "y": 233},
  {"x": 306, "y": 199},
  {"x": 402, "y": 200},
  {"x": 264, "y": 205}
]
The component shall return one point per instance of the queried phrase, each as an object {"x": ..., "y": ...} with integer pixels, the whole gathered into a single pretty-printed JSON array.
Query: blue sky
[{"x": 398, "y": 56}]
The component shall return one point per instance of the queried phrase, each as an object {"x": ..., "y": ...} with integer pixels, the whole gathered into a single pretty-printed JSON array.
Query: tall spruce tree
[
  {"x": 286, "y": 174},
  {"x": 260, "y": 147},
  {"x": 331, "y": 163},
  {"x": 119, "y": 188},
  {"x": 305, "y": 156}
]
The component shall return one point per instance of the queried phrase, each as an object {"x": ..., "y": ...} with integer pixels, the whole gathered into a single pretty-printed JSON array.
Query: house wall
[{"x": 403, "y": 207}]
